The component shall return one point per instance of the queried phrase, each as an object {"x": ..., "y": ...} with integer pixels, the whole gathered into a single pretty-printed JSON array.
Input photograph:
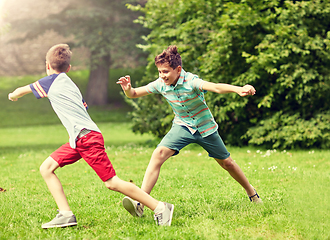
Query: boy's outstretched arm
[
  {"x": 222, "y": 88},
  {"x": 125, "y": 83},
  {"x": 19, "y": 92}
]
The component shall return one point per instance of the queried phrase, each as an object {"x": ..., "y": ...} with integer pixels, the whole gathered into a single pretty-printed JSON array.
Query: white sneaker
[
  {"x": 61, "y": 221},
  {"x": 165, "y": 218},
  {"x": 133, "y": 207}
]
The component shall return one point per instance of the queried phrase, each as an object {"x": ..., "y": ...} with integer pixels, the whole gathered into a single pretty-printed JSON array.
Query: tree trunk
[{"x": 97, "y": 87}]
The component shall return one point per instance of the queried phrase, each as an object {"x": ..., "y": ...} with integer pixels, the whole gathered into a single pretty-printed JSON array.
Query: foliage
[
  {"x": 292, "y": 131},
  {"x": 295, "y": 57},
  {"x": 280, "y": 47}
]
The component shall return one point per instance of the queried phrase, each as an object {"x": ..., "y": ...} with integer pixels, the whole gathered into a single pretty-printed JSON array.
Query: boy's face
[{"x": 168, "y": 74}]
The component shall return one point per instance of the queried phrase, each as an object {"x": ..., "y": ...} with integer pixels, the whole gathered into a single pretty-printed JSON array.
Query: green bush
[
  {"x": 279, "y": 47},
  {"x": 291, "y": 131}
]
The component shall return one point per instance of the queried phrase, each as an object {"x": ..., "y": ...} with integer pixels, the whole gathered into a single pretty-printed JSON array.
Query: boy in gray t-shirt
[{"x": 86, "y": 140}]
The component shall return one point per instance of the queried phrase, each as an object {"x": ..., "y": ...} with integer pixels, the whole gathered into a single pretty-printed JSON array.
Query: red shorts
[{"x": 91, "y": 148}]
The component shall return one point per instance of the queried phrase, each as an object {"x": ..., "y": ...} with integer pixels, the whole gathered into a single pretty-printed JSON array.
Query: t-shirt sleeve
[
  {"x": 85, "y": 104},
  {"x": 198, "y": 84},
  {"x": 152, "y": 87},
  {"x": 41, "y": 87}
]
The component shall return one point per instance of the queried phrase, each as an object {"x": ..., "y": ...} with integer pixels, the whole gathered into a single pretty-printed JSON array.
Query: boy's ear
[
  {"x": 68, "y": 68},
  {"x": 179, "y": 68}
]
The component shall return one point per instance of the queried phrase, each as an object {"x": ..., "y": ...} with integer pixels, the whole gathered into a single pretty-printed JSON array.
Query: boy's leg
[
  {"x": 163, "y": 211},
  {"x": 91, "y": 148},
  {"x": 47, "y": 169},
  {"x": 62, "y": 156},
  {"x": 176, "y": 139},
  {"x": 159, "y": 156},
  {"x": 236, "y": 172},
  {"x": 131, "y": 190},
  {"x": 65, "y": 217},
  {"x": 214, "y": 145}
]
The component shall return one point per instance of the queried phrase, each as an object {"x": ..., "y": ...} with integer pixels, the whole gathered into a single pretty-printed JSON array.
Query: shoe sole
[
  {"x": 129, "y": 206},
  {"x": 62, "y": 225}
]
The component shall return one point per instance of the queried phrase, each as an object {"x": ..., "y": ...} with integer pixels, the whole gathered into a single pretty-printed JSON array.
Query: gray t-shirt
[{"x": 67, "y": 102}]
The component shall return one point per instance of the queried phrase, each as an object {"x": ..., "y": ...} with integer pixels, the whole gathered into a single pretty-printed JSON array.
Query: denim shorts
[{"x": 180, "y": 136}]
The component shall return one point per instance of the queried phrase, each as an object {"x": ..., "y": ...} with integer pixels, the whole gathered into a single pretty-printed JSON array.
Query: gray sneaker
[
  {"x": 133, "y": 207},
  {"x": 61, "y": 221},
  {"x": 165, "y": 218}
]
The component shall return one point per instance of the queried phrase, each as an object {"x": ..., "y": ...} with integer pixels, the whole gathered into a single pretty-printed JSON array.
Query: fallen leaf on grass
[{"x": 2, "y": 190}]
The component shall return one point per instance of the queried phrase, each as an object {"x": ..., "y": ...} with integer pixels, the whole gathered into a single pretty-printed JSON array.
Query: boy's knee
[
  {"x": 228, "y": 163},
  {"x": 112, "y": 184},
  {"x": 162, "y": 153},
  {"x": 109, "y": 185},
  {"x": 44, "y": 170},
  {"x": 48, "y": 166},
  {"x": 158, "y": 153}
]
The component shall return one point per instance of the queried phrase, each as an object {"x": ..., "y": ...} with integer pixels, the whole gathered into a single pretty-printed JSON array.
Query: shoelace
[
  {"x": 158, "y": 217},
  {"x": 139, "y": 208}
]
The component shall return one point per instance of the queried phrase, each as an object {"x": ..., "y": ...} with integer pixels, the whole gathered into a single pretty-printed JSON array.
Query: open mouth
[{"x": 167, "y": 82}]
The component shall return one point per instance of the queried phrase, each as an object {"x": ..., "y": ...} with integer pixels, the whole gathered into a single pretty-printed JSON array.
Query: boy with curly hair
[{"x": 193, "y": 121}]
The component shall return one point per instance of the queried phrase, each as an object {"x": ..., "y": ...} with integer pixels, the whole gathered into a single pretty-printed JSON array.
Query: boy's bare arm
[
  {"x": 19, "y": 92},
  {"x": 222, "y": 88},
  {"x": 125, "y": 83}
]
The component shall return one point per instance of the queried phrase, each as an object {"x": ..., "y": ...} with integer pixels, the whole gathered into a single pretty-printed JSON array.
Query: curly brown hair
[{"x": 170, "y": 56}]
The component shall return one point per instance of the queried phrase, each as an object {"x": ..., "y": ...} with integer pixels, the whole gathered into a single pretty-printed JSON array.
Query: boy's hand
[
  {"x": 247, "y": 90},
  {"x": 19, "y": 92},
  {"x": 125, "y": 83},
  {"x": 11, "y": 98}
]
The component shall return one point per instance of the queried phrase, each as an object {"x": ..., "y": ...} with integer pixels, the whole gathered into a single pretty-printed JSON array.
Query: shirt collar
[{"x": 181, "y": 78}]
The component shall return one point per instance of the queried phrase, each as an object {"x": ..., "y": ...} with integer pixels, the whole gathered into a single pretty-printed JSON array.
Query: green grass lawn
[{"x": 209, "y": 204}]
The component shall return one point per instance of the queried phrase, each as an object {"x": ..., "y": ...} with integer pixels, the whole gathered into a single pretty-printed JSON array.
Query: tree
[
  {"x": 105, "y": 27},
  {"x": 280, "y": 47}
]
